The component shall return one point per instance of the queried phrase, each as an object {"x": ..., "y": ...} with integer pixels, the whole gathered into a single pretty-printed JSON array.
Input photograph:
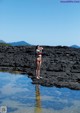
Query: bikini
[{"x": 39, "y": 53}]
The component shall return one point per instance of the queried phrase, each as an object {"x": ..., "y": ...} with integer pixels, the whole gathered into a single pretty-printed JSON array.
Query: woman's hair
[
  {"x": 37, "y": 46},
  {"x": 35, "y": 49}
]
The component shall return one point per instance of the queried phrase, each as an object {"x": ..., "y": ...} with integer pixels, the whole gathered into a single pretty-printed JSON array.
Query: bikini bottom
[{"x": 38, "y": 61}]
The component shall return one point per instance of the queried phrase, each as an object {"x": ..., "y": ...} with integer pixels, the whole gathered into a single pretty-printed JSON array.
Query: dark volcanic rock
[{"x": 60, "y": 66}]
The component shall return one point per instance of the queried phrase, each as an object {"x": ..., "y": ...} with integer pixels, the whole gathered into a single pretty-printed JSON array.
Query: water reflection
[
  {"x": 20, "y": 96},
  {"x": 38, "y": 99}
]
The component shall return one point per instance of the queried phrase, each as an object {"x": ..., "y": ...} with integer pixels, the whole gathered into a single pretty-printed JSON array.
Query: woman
[{"x": 38, "y": 61}]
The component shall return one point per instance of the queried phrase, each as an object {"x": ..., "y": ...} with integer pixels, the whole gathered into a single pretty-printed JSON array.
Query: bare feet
[{"x": 38, "y": 77}]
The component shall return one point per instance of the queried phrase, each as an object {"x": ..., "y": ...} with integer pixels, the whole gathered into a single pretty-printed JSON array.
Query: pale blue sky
[{"x": 45, "y": 22}]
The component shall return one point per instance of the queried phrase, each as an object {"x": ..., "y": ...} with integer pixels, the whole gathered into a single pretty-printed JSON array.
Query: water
[{"x": 21, "y": 96}]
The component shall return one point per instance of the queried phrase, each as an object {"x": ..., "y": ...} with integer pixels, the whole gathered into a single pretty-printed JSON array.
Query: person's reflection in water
[{"x": 38, "y": 100}]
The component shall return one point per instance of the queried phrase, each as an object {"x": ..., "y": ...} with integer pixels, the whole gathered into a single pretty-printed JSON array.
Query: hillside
[
  {"x": 4, "y": 44},
  {"x": 75, "y": 46},
  {"x": 20, "y": 43}
]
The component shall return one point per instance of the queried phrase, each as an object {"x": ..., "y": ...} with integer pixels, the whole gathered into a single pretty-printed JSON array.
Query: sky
[{"x": 43, "y": 22}]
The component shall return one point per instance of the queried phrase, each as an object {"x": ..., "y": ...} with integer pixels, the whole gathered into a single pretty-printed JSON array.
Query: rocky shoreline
[{"x": 60, "y": 66}]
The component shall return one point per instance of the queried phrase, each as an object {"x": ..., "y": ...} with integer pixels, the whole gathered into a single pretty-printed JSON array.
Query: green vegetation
[{"x": 5, "y": 44}]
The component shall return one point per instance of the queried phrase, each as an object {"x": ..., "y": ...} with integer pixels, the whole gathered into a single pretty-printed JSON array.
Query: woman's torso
[{"x": 39, "y": 54}]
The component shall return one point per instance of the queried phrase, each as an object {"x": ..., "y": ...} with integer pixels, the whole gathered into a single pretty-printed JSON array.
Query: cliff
[{"x": 60, "y": 66}]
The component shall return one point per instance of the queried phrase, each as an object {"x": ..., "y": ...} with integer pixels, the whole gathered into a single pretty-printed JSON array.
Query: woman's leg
[
  {"x": 36, "y": 72},
  {"x": 37, "y": 68}
]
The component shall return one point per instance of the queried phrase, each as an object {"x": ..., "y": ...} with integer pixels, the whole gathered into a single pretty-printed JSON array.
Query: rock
[{"x": 60, "y": 66}]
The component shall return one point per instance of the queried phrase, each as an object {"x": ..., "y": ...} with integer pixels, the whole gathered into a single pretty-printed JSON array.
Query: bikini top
[{"x": 39, "y": 52}]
